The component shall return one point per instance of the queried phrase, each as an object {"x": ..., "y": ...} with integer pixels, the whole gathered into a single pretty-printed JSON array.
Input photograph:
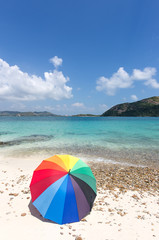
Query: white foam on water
[{"x": 110, "y": 161}]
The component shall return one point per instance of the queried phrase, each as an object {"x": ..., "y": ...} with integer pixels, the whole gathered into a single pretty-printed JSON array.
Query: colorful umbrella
[{"x": 63, "y": 189}]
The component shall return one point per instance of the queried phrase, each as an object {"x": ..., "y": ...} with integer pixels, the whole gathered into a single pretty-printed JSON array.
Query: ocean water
[{"x": 111, "y": 139}]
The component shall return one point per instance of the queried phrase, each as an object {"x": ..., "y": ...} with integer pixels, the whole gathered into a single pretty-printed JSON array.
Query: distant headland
[
  {"x": 148, "y": 107},
  {"x": 25, "y": 114}
]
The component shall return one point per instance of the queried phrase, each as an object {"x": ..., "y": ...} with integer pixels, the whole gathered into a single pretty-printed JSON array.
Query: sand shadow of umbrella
[{"x": 34, "y": 212}]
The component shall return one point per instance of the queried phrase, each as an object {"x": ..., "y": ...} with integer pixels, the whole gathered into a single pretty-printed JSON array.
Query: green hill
[
  {"x": 146, "y": 107},
  {"x": 25, "y": 114}
]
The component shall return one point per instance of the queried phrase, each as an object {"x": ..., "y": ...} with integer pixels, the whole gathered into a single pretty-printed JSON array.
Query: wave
[{"x": 122, "y": 156}]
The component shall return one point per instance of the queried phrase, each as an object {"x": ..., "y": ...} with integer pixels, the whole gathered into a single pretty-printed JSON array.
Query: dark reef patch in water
[
  {"x": 27, "y": 139},
  {"x": 5, "y": 133}
]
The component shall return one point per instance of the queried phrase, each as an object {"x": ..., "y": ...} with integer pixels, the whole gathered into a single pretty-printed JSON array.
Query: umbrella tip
[{"x": 69, "y": 171}]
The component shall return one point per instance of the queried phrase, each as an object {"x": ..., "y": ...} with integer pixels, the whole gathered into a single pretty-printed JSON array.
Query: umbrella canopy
[{"x": 63, "y": 189}]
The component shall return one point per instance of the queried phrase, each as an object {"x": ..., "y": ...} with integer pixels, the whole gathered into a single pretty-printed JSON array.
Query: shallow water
[{"x": 116, "y": 139}]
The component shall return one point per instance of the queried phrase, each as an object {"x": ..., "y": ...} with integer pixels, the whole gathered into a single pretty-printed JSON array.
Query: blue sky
[{"x": 68, "y": 57}]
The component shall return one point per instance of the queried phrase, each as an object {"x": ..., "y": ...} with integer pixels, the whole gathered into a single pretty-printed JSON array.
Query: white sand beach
[{"x": 116, "y": 215}]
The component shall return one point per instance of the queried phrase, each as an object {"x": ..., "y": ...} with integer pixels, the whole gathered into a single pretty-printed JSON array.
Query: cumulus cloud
[
  {"x": 134, "y": 97},
  {"x": 146, "y": 74},
  {"x": 18, "y": 85},
  {"x": 121, "y": 79},
  {"x": 152, "y": 82},
  {"x": 56, "y": 61},
  {"x": 78, "y": 104}
]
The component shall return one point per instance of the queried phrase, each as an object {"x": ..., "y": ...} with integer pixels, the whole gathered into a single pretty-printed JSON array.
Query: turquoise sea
[{"x": 130, "y": 140}]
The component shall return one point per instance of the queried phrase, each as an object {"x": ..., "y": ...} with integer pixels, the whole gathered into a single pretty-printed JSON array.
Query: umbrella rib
[
  {"x": 70, "y": 204},
  {"x": 47, "y": 197},
  {"x": 64, "y": 173},
  {"x": 48, "y": 167},
  {"x": 55, "y": 161},
  {"x": 87, "y": 190},
  {"x": 60, "y": 202},
  {"x": 85, "y": 171},
  {"x": 88, "y": 179},
  {"x": 64, "y": 160},
  {"x": 82, "y": 203}
]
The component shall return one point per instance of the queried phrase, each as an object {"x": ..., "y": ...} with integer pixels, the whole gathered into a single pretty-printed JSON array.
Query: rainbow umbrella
[{"x": 63, "y": 189}]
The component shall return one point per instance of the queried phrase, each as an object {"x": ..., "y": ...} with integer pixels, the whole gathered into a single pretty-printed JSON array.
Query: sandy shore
[{"x": 127, "y": 205}]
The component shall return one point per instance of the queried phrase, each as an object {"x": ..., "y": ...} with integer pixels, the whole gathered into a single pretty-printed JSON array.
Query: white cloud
[
  {"x": 134, "y": 97},
  {"x": 152, "y": 82},
  {"x": 121, "y": 79},
  {"x": 18, "y": 85},
  {"x": 77, "y": 104},
  {"x": 56, "y": 61},
  {"x": 146, "y": 74}
]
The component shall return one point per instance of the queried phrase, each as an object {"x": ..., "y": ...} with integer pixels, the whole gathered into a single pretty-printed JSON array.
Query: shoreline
[
  {"x": 127, "y": 203},
  {"x": 126, "y": 157}
]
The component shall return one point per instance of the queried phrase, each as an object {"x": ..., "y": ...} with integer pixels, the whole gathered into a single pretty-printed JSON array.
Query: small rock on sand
[
  {"x": 13, "y": 194},
  {"x": 78, "y": 238},
  {"x": 23, "y": 214},
  {"x": 83, "y": 220}
]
